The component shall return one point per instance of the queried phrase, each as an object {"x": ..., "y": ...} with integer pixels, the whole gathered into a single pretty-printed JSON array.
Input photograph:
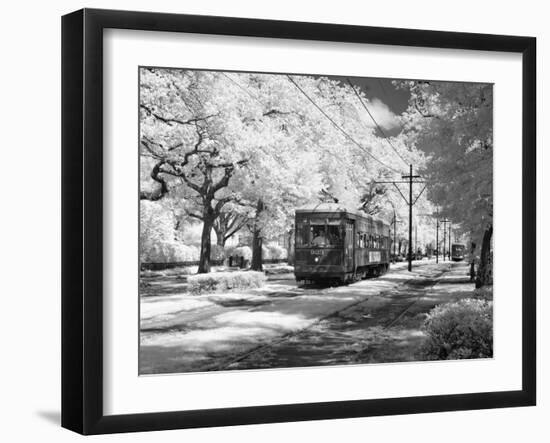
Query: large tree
[
  {"x": 453, "y": 124},
  {"x": 197, "y": 135}
]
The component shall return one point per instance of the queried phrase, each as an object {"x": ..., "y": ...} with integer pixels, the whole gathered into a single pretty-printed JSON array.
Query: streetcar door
[{"x": 349, "y": 244}]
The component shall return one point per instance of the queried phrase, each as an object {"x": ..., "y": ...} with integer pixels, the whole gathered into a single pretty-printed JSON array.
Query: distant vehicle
[
  {"x": 417, "y": 255},
  {"x": 458, "y": 251},
  {"x": 395, "y": 258},
  {"x": 334, "y": 243}
]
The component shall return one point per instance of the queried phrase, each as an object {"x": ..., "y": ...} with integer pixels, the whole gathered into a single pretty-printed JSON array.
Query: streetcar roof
[{"x": 336, "y": 208}]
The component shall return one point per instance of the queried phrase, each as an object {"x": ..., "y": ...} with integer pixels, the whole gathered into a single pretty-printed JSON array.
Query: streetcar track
[
  {"x": 433, "y": 280},
  {"x": 410, "y": 305}
]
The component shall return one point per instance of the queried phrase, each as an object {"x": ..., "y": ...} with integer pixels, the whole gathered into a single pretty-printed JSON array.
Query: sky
[{"x": 386, "y": 102}]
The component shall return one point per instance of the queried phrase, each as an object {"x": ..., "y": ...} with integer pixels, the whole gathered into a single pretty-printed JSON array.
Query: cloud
[{"x": 383, "y": 115}]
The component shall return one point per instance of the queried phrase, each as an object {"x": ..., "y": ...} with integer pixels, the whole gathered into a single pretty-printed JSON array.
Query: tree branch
[
  {"x": 236, "y": 228},
  {"x": 275, "y": 112},
  {"x": 161, "y": 191},
  {"x": 423, "y": 113},
  {"x": 197, "y": 216},
  {"x": 170, "y": 120}
]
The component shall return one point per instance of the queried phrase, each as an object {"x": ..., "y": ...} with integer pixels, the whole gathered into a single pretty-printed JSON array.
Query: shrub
[
  {"x": 186, "y": 253},
  {"x": 485, "y": 292},
  {"x": 225, "y": 281},
  {"x": 462, "y": 329},
  {"x": 273, "y": 251},
  {"x": 217, "y": 252},
  {"x": 243, "y": 251},
  {"x": 229, "y": 250},
  {"x": 169, "y": 252}
]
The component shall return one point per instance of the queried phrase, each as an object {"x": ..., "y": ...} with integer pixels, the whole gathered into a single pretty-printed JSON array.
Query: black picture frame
[{"x": 82, "y": 220}]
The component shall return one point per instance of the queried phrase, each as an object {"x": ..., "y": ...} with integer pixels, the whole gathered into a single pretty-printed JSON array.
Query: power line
[
  {"x": 328, "y": 117},
  {"x": 375, "y": 122},
  {"x": 254, "y": 97},
  {"x": 349, "y": 137},
  {"x": 246, "y": 91}
]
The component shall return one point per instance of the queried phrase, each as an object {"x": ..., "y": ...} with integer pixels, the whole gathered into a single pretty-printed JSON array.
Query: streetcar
[
  {"x": 458, "y": 251},
  {"x": 333, "y": 243}
]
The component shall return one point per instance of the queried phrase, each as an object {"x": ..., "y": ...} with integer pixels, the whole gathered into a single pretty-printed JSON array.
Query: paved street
[{"x": 284, "y": 325}]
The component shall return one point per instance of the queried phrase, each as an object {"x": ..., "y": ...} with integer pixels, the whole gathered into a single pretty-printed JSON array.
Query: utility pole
[
  {"x": 449, "y": 241},
  {"x": 445, "y": 221},
  {"x": 408, "y": 179},
  {"x": 411, "y": 204},
  {"x": 437, "y": 241},
  {"x": 444, "y": 242}
]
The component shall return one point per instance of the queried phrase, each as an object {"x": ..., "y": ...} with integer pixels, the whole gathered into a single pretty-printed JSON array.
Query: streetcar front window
[
  {"x": 325, "y": 235},
  {"x": 319, "y": 233}
]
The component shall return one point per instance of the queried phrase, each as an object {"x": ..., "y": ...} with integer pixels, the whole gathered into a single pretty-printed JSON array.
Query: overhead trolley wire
[
  {"x": 254, "y": 97},
  {"x": 245, "y": 90},
  {"x": 320, "y": 110},
  {"x": 337, "y": 126},
  {"x": 376, "y": 123}
]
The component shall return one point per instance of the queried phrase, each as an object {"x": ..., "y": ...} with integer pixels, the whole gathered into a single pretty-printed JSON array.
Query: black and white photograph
[
  {"x": 271, "y": 222},
  {"x": 293, "y": 220}
]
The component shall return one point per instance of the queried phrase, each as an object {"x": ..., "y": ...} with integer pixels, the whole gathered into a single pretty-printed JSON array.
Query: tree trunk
[
  {"x": 472, "y": 262},
  {"x": 257, "y": 261},
  {"x": 204, "y": 262},
  {"x": 485, "y": 269},
  {"x": 220, "y": 235}
]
